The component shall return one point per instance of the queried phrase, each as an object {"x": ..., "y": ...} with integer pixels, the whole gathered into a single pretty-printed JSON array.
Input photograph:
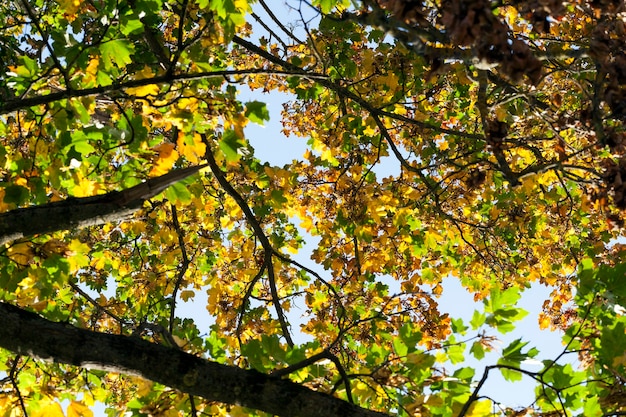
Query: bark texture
[
  {"x": 87, "y": 211},
  {"x": 29, "y": 334}
]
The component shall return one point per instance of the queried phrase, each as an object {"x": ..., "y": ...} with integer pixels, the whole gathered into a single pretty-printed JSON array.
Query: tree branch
[
  {"x": 26, "y": 333},
  {"x": 182, "y": 267},
  {"x": 12, "y": 105},
  {"x": 258, "y": 231},
  {"x": 73, "y": 212}
]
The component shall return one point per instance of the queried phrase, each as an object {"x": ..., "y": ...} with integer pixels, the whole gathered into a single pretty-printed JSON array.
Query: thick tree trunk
[
  {"x": 28, "y": 334},
  {"x": 88, "y": 211}
]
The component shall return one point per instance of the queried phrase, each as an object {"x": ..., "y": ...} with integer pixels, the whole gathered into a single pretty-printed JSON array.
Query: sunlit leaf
[
  {"x": 116, "y": 52},
  {"x": 257, "y": 112}
]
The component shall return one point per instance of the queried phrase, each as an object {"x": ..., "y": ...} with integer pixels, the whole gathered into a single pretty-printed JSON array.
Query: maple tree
[{"x": 128, "y": 187}]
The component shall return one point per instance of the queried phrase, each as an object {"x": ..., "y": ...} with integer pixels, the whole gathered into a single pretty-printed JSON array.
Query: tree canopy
[{"x": 128, "y": 187}]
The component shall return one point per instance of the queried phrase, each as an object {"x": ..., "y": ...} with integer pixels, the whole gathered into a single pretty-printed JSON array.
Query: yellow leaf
[
  {"x": 3, "y": 207},
  {"x": 188, "y": 103},
  {"x": 50, "y": 410},
  {"x": 306, "y": 223},
  {"x": 165, "y": 160},
  {"x": 78, "y": 409},
  {"x": 52, "y": 247},
  {"x": 494, "y": 212},
  {"x": 186, "y": 295},
  {"x": 84, "y": 187},
  {"x": 144, "y": 90},
  {"x": 172, "y": 412},
  {"x": 434, "y": 401},
  {"x": 418, "y": 358},
  {"x": 544, "y": 321},
  {"x": 92, "y": 68},
  {"x": 40, "y": 305},
  {"x": 192, "y": 147},
  {"x": 502, "y": 113},
  {"x": 398, "y": 109},
  {"x": 69, "y": 7},
  {"x": 21, "y": 253},
  {"x": 620, "y": 360},
  {"x": 480, "y": 409},
  {"x": 78, "y": 259},
  {"x": 144, "y": 387},
  {"x": 88, "y": 399}
]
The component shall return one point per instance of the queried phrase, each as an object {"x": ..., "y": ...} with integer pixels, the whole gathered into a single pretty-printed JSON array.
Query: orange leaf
[{"x": 165, "y": 160}]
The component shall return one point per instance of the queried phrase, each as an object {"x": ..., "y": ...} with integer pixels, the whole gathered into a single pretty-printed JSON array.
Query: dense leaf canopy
[{"x": 128, "y": 189}]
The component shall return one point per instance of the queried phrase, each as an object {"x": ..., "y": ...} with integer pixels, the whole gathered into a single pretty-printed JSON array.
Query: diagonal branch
[
  {"x": 28, "y": 334},
  {"x": 73, "y": 212},
  {"x": 13, "y": 377},
  {"x": 258, "y": 231},
  {"x": 182, "y": 268},
  {"x": 324, "y": 354},
  {"x": 278, "y": 22}
]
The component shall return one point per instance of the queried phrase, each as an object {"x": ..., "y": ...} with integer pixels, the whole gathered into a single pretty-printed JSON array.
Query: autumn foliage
[{"x": 504, "y": 127}]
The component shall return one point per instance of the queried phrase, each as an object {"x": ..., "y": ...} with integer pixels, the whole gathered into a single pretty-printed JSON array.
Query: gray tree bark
[{"x": 28, "y": 334}]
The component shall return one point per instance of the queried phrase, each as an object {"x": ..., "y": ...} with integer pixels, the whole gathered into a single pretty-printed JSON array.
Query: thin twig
[
  {"x": 13, "y": 377},
  {"x": 183, "y": 266}
]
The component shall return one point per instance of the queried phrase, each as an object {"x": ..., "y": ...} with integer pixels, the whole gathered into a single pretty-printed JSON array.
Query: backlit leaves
[
  {"x": 464, "y": 139},
  {"x": 116, "y": 52}
]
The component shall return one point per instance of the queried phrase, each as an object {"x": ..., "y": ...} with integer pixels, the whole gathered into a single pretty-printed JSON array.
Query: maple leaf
[{"x": 165, "y": 160}]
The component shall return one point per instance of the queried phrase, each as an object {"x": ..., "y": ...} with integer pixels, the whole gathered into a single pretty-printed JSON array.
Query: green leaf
[
  {"x": 272, "y": 347},
  {"x": 465, "y": 373},
  {"x": 82, "y": 146},
  {"x": 498, "y": 299},
  {"x": 400, "y": 347},
  {"x": 230, "y": 145},
  {"x": 478, "y": 319},
  {"x": 116, "y": 52},
  {"x": 592, "y": 407},
  {"x": 477, "y": 350},
  {"x": 613, "y": 342},
  {"x": 511, "y": 374},
  {"x": 456, "y": 353},
  {"x": 253, "y": 352},
  {"x": 28, "y": 68},
  {"x": 130, "y": 24},
  {"x": 326, "y": 6},
  {"x": 458, "y": 326},
  {"x": 411, "y": 336},
  {"x": 57, "y": 267},
  {"x": 16, "y": 194},
  {"x": 257, "y": 112},
  {"x": 178, "y": 193},
  {"x": 513, "y": 352},
  {"x": 278, "y": 198}
]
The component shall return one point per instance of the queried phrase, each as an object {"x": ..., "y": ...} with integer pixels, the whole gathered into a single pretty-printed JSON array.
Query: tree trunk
[
  {"x": 26, "y": 333},
  {"x": 87, "y": 211}
]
